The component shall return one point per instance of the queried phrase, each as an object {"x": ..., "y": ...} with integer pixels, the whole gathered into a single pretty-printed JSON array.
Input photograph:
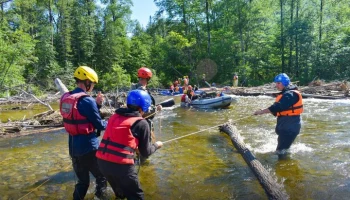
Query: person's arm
[
  {"x": 262, "y": 111},
  {"x": 87, "y": 107},
  {"x": 287, "y": 100},
  {"x": 142, "y": 132}
]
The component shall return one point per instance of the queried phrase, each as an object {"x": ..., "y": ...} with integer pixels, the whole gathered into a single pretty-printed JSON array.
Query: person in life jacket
[
  {"x": 126, "y": 132},
  {"x": 235, "y": 80},
  {"x": 171, "y": 89},
  {"x": 188, "y": 97},
  {"x": 288, "y": 107},
  {"x": 81, "y": 118},
  {"x": 144, "y": 75}
]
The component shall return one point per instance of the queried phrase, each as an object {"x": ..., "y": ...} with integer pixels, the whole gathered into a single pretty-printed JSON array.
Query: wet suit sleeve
[
  {"x": 288, "y": 99},
  {"x": 142, "y": 132},
  {"x": 87, "y": 106}
]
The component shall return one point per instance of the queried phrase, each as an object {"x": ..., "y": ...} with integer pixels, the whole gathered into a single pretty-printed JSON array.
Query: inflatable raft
[{"x": 210, "y": 103}]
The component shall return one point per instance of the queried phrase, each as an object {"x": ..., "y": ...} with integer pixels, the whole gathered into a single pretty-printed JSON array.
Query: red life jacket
[
  {"x": 118, "y": 144},
  {"x": 73, "y": 121},
  {"x": 295, "y": 109},
  {"x": 183, "y": 98}
]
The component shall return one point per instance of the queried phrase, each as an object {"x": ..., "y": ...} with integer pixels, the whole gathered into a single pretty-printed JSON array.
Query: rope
[
  {"x": 41, "y": 184},
  {"x": 204, "y": 130}
]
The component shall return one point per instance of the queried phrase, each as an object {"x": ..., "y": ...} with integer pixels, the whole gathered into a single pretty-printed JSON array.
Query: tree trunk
[
  {"x": 282, "y": 37},
  {"x": 290, "y": 63},
  {"x": 184, "y": 17},
  {"x": 272, "y": 189},
  {"x": 240, "y": 27},
  {"x": 321, "y": 21},
  {"x": 51, "y": 23},
  {"x": 208, "y": 26},
  {"x": 297, "y": 73}
]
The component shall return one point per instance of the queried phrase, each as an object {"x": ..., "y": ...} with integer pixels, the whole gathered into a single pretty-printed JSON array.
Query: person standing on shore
[
  {"x": 288, "y": 107},
  {"x": 81, "y": 118},
  {"x": 235, "y": 80}
]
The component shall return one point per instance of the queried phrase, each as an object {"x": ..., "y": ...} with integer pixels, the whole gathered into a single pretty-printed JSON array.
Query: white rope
[{"x": 203, "y": 130}]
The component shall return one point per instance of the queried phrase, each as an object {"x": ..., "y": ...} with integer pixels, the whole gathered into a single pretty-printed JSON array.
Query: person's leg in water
[
  {"x": 130, "y": 185},
  {"x": 114, "y": 182},
  {"x": 101, "y": 182},
  {"x": 82, "y": 174},
  {"x": 284, "y": 143},
  {"x": 287, "y": 129}
]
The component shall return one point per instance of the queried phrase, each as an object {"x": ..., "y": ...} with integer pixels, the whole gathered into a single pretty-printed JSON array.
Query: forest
[{"x": 257, "y": 39}]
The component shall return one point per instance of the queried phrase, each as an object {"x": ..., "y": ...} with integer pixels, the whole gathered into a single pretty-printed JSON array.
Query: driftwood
[
  {"x": 317, "y": 90},
  {"x": 47, "y": 119},
  {"x": 60, "y": 86},
  {"x": 272, "y": 189}
]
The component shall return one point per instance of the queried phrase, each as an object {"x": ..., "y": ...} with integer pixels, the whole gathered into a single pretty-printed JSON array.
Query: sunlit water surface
[{"x": 203, "y": 165}]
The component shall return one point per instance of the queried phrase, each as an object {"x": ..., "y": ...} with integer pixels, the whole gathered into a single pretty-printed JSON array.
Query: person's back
[{"x": 134, "y": 133}]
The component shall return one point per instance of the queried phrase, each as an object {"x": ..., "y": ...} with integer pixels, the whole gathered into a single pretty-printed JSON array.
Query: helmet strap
[{"x": 87, "y": 85}]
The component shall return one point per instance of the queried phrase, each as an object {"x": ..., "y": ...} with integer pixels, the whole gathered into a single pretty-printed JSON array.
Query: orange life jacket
[
  {"x": 295, "y": 109},
  {"x": 118, "y": 143},
  {"x": 73, "y": 121}
]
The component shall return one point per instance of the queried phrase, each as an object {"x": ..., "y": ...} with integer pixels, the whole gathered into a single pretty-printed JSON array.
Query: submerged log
[{"x": 272, "y": 189}]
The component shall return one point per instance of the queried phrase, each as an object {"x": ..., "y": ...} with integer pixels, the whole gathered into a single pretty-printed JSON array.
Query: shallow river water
[{"x": 204, "y": 165}]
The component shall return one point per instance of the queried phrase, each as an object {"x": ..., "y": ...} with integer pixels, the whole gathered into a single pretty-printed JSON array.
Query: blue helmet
[
  {"x": 139, "y": 98},
  {"x": 283, "y": 78}
]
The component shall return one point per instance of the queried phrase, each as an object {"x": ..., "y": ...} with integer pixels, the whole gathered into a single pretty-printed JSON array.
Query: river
[{"x": 204, "y": 165}]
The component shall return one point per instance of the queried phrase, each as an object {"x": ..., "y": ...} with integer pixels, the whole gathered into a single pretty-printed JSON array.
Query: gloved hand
[
  {"x": 159, "y": 108},
  {"x": 99, "y": 98},
  {"x": 158, "y": 144}
]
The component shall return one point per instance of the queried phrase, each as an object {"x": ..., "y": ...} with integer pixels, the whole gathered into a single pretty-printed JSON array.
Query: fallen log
[
  {"x": 60, "y": 86},
  {"x": 272, "y": 189},
  {"x": 43, "y": 114},
  {"x": 321, "y": 96}
]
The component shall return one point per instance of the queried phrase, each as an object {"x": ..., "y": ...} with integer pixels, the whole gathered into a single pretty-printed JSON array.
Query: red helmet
[{"x": 144, "y": 72}]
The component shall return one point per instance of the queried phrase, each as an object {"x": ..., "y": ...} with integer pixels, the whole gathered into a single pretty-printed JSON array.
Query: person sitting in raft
[
  {"x": 171, "y": 88},
  {"x": 176, "y": 86},
  {"x": 220, "y": 94},
  {"x": 188, "y": 97},
  {"x": 190, "y": 93}
]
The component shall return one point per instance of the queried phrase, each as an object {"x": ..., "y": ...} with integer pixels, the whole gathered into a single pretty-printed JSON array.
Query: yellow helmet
[{"x": 85, "y": 72}]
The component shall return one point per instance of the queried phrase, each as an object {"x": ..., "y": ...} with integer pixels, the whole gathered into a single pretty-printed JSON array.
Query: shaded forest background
[{"x": 44, "y": 39}]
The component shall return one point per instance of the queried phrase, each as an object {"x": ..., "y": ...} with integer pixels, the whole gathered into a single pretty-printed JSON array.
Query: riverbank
[
  {"x": 52, "y": 118},
  {"x": 316, "y": 89}
]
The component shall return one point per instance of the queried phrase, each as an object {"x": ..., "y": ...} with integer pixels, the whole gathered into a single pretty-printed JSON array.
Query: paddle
[{"x": 167, "y": 103}]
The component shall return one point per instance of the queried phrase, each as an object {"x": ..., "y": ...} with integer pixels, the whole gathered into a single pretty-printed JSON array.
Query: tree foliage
[{"x": 41, "y": 40}]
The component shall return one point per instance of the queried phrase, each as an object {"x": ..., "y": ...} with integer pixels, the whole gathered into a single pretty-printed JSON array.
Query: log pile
[{"x": 316, "y": 89}]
